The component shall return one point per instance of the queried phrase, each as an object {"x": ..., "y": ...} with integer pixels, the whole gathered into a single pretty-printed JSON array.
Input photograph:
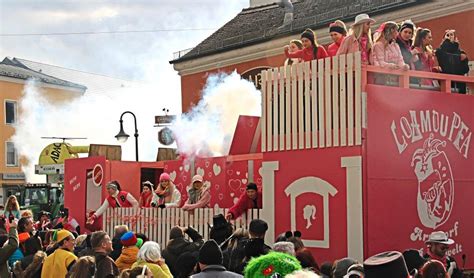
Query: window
[
  {"x": 10, "y": 112},
  {"x": 12, "y": 157}
]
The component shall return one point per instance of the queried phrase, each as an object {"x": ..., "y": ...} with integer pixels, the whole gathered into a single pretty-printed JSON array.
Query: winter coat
[
  {"x": 405, "y": 49},
  {"x": 105, "y": 266},
  {"x": 117, "y": 246},
  {"x": 7, "y": 250},
  {"x": 127, "y": 258},
  {"x": 172, "y": 201},
  {"x": 307, "y": 54},
  {"x": 211, "y": 271},
  {"x": 236, "y": 259},
  {"x": 387, "y": 55},
  {"x": 334, "y": 47},
  {"x": 351, "y": 45},
  {"x": 58, "y": 264},
  {"x": 30, "y": 268},
  {"x": 158, "y": 271},
  {"x": 449, "y": 58},
  {"x": 180, "y": 245},
  {"x": 244, "y": 203},
  {"x": 425, "y": 62},
  {"x": 203, "y": 201},
  {"x": 16, "y": 256}
]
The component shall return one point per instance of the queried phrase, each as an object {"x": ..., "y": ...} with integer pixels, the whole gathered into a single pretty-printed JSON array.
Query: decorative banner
[{"x": 420, "y": 171}]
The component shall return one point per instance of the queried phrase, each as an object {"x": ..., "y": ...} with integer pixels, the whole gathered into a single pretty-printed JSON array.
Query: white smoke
[
  {"x": 207, "y": 130},
  {"x": 91, "y": 115}
]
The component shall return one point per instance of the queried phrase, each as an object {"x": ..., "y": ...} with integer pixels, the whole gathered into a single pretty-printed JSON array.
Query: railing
[
  {"x": 181, "y": 53},
  {"x": 314, "y": 104},
  {"x": 156, "y": 223}
]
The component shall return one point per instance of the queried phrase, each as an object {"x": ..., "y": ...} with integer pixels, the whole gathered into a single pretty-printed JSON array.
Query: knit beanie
[
  {"x": 128, "y": 239},
  {"x": 61, "y": 234},
  {"x": 407, "y": 24},
  {"x": 308, "y": 33},
  {"x": 139, "y": 243},
  {"x": 258, "y": 226},
  {"x": 165, "y": 177},
  {"x": 271, "y": 264},
  {"x": 210, "y": 253},
  {"x": 251, "y": 186}
]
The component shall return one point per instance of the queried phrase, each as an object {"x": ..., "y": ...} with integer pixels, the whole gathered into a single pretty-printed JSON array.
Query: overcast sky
[{"x": 131, "y": 56}]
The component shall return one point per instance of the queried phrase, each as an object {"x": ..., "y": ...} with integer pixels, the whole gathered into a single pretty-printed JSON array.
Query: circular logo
[
  {"x": 97, "y": 175},
  {"x": 165, "y": 136}
]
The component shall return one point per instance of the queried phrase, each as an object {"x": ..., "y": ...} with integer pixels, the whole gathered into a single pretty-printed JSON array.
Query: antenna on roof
[{"x": 65, "y": 138}]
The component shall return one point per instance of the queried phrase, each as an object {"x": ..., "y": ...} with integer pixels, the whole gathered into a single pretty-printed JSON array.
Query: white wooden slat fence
[
  {"x": 156, "y": 223},
  {"x": 314, "y": 104}
]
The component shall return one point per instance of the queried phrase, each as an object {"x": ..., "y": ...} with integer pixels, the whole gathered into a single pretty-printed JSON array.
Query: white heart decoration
[
  {"x": 216, "y": 206},
  {"x": 186, "y": 167},
  {"x": 235, "y": 184},
  {"x": 232, "y": 194},
  {"x": 238, "y": 173},
  {"x": 217, "y": 169},
  {"x": 260, "y": 171},
  {"x": 244, "y": 181},
  {"x": 173, "y": 176},
  {"x": 200, "y": 171},
  {"x": 236, "y": 200},
  {"x": 180, "y": 168}
]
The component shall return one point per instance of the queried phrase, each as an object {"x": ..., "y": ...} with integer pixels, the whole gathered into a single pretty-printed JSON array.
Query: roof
[
  {"x": 95, "y": 83},
  {"x": 14, "y": 69},
  {"x": 260, "y": 24}
]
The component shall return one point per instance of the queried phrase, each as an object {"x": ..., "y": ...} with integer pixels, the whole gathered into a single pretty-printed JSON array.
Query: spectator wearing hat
[
  {"x": 414, "y": 260},
  {"x": 404, "y": 40},
  {"x": 58, "y": 263},
  {"x": 386, "y": 52},
  {"x": 210, "y": 262},
  {"x": 117, "y": 246},
  {"x": 167, "y": 195},
  {"x": 438, "y": 244},
  {"x": 199, "y": 195},
  {"x": 311, "y": 48},
  {"x": 273, "y": 264},
  {"x": 105, "y": 265},
  {"x": 6, "y": 250},
  {"x": 221, "y": 230},
  {"x": 355, "y": 271},
  {"x": 116, "y": 199},
  {"x": 341, "y": 266},
  {"x": 387, "y": 264},
  {"x": 43, "y": 223},
  {"x": 150, "y": 256},
  {"x": 337, "y": 31},
  {"x": 251, "y": 199},
  {"x": 147, "y": 195},
  {"x": 452, "y": 59},
  {"x": 178, "y": 245},
  {"x": 129, "y": 251},
  {"x": 359, "y": 39}
]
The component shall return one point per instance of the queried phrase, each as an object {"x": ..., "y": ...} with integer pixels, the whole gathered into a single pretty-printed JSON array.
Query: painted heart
[
  {"x": 209, "y": 174},
  {"x": 184, "y": 178},
  {"x": 230, "y": 172},
  {"x": 186, "y": 167},
  {"x": 235, "y": 184},
  {"x": 238, "y": 173},
  {"x": 232, "y": 194},
  {"x": 200, "y": 171},
  {"x": 244, "y": 181},
  {"x": 217, "y": 169},
  {"x": 259, "y": 180},
  {"x": 207, "y": 164},
  {"x": 221, "y": 196},
  {"x": 236, "y": 200},
  {"x": 242, "y": 190},
  {"x": 181, "y": 168},
  {"x": 217, "y": 186},
  {"x": 173, "y": 176},
  {"x": 260, "y": 171}
]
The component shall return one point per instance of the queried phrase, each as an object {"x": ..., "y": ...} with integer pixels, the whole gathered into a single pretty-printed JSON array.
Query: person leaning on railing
[
  {"x": 425, "y": 55},
  {"x": 251, "y": 199},
  {"x": 294, "y": 46},
  {"x": 311, "y": 48},
  {"x": 337, "y": 31},
  {"x": 405, "y": 42},
  {"x": 167, "y": 195},
  {"x": 386, "y": 51},
  {"x": 199, "y": 195},
  {"x": 359, "y": 39}
]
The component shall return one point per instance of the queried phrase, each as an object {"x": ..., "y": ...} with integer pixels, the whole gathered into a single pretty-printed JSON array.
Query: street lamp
[{"x": 122, "y": 136}]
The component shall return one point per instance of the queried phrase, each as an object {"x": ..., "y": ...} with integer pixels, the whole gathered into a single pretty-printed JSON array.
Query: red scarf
[{"x": 145, "y": 199}]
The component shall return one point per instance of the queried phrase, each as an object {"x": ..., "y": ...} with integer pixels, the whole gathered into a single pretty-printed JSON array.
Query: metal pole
[{"x": 136, "y": 131}]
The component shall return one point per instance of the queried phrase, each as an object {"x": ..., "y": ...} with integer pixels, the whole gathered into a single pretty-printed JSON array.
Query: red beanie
[{"x": 164, "y": 177}]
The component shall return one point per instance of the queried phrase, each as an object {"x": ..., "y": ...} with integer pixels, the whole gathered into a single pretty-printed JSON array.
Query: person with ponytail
[
  {"x": 116, "y": 199},
  {"x": 359, "y": 39},
  {"x": 60, "y": 262},
  {"x": 386, "y": 51},
  {"x": 147, "y": 194},
  {"x": 311, "y": 48},
  {"x": 425, "y": 57},
  {"x": 337, "y": 31}
]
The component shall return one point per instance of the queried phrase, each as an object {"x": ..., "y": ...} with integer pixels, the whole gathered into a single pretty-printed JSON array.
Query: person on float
[
  {"x": 12, "y": 208},
  {"x": 167, "y": 195},
  {"x": 294, "y": 45},
  {"x": 251, "y": 199},
  {"x": 311, "y": 48},
  {"x": 199, "y": 195},
  {"x": 425, "y": 57},
  {"x": 147, "y": 194},
  {"x": 437, "y": 246},
  {"x": 359, "y": 39},
  {"x": 452, "y": 59},
  {"x": 116, "y": 199},
  {"x": 406, "y": 31},
  {"x": 337, "y": 31}
]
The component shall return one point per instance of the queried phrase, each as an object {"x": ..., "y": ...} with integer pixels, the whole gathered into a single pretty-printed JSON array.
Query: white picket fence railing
[
  {"x": 156, "y": 223},
  {"x": 314, "y": 104}
]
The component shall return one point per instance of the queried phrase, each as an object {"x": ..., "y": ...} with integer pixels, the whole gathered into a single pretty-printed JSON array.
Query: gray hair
[
  {"x": 284, "y": 247},
  {"x": 302, "y": 274},
  {"x": 149, "y": 252}
]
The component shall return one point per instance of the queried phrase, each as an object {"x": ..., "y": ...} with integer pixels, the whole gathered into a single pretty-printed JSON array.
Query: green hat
[
  {"x": 139, "y": 243},
  {"x": 271, "y": 264}
]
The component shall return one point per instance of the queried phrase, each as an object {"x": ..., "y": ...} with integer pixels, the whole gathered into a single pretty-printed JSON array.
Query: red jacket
[
  {"x": 307, "y": 54},
  {"x": 122, "y": 200},
  {"x": 334, "y": 47},
  {"x": 244, "y": 203}
]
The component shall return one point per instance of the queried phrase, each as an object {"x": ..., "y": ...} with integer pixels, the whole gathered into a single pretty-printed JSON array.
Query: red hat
[
  {"x": 165, "y": 177},
  {"x": 128, "y": 239}
]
